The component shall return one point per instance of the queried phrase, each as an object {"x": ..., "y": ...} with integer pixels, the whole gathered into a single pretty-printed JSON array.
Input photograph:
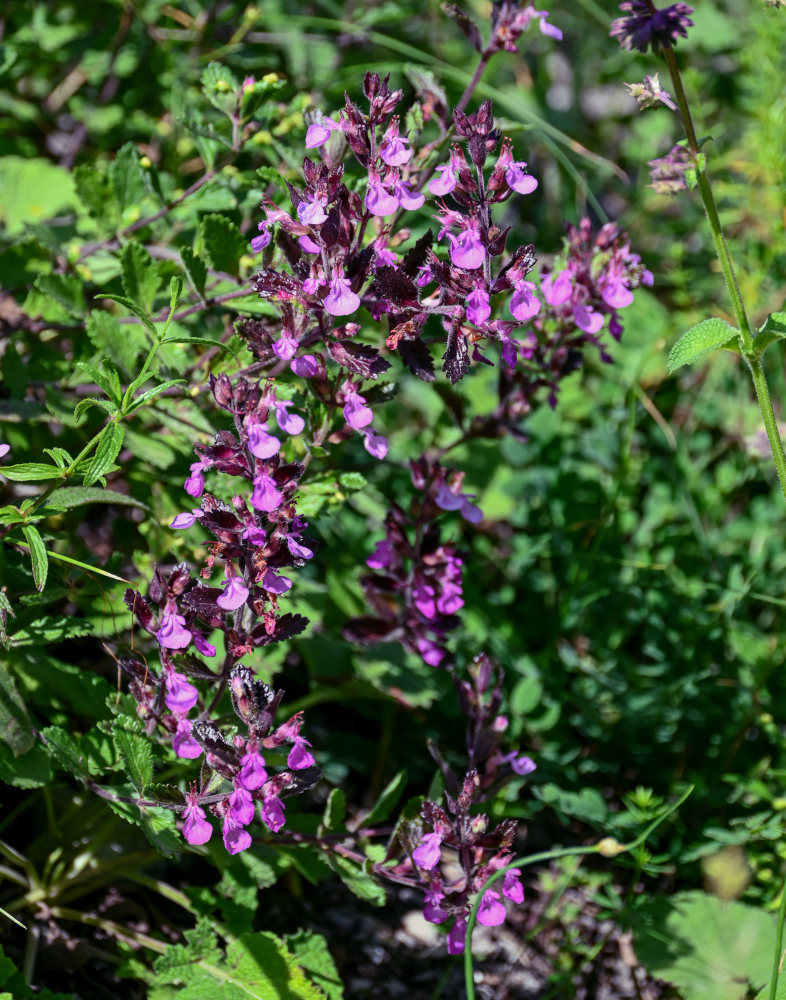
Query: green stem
[
  {"x": 776, "y": 958},
  {"x": 746, "y": 335}
]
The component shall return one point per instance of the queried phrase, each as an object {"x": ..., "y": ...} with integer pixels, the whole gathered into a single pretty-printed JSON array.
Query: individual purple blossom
[
  {"x": 375, "y": 444},
  {"x": 241, "y": 805},
  {"x": 478, "y": 306},
  {"x": 265, "y": 496},
  {"x": 524, "y": 304},
  {"x": 298, "y": 550},
  {"x": 615, "y": 292},
  {"x": 202, "y": 645},
  {"x": 183, "y": 743},
  {"x": 379, "y": 201},
  {"x": 432, "y": 911},
  {"x": 513, "y": 887},
  {"x": 186, "y": 520},
  {"x": 466, "y": 249},
  {"x": 430, "y": 652},
  {"x": 450, "y": 600},
  {"x": 519, "y": 763},
  {"x": 649, "y": 92},
  {"x": 519, "y": 179},
  {"x": 180, "y": 695},
  {"x": 644, "y": 26},
  {"x": 259, "y": 243},
  {"x": 261, "y": 443},
  {"x": 305, "y": 366},
  {"x": 318, "y": 132},
  {"x": 341, "y": 300},
  {"x": 446, "y": 499},
  {"x": 457, "y": 936},
  {"x": 408, "y": 199},
  {"x": 236, "y": 839},
  {"x": 423, "y": 598},
  {"x": 299, "y": 758},
  {"x": 427, "y": 855},
  {"x": 394, "y": 149},
  {"x": 173, "y": 634},
  {"x": 4, "y": 449},
  {"x": 252, "y": 773},
  {"x": 491, "y": 912},
  {"x": 445, "y": 180},
  {"x": 285, "y": 347},
  {"x": 587, "y": 319},
  {"x": 235, "y": 594},
  {"x": 195, "y": 483},
  {"x": 556, "y": 289},
  {"x": 275, "y": 584},
  {"x": 356, "y": 413},
  {"x": 381, "y": 556},
  {"x": 273, "y": 812},
  {"x": 311, "y": 211},
  {"x": 196, "y": 828},
  {"x": 308, "y": 245},
  {"x": 290, "y": 423}
]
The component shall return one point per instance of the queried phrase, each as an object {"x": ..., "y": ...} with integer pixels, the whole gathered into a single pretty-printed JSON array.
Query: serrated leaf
[
  {"x": 220, "y": 87},
  {"x": 16, "y": 730},
  {"x": 773, "y": 328},
  {"x": 195, "y": 268},
  {"x": 223, "y": 243},
  {"x": 352, "y": 481},
  {"x": 29, "y": 770},
  {"x": 126, "y": 177},
  {"x": 85, "y": 404},
  {"x": 134, "y": 309},
  {"x": 64, "y": 749},
  {"x": 50, "y": 628},
  {"x": 38, "y": 556},
  {"x": 140, "y": 275},
  {"x": 203, "y": 342},
  {"x": 94, "y": 190},
  {"x": 313, "y": 956},
  {"x": 65, "y": 290},
  {"x": 76, "y": 496},
  {"x": 700, "y": 340},
  {"x": 358, "y": 881},
  {"x": 137, "y": 756},
  {"x": 105, "y": 380},
  {"x": 152, "y": 393},
  {"x": 123, "y": 342},
  {"x": 334, "y": 815},
  {"x": 389, "y": 796},
  {"x": 30, "y": 472},
  {"x": 107, "y": 450},
  {"x": 175, "y": 291}
]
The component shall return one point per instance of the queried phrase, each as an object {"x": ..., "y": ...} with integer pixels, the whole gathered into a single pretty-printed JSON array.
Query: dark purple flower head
[{"x": 644, "y": 26}]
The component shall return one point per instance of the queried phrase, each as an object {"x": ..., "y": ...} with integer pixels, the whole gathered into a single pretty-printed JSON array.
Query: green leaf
[
  {"x": 50, "y": 628},
  {"x": 333, "y": 818},
  {"x": 16, "y": 730},
  {"x": 95, "y": 192},
  {"x": 126, "y": 177},
  {"x": 104, "y": 380},
  {"x": 77, "y": 496},
  {"x": 31, "y": 190},
  {"x": 203, "y": 341},
  {"x": 700, "y": 340},
  {"x": 134, "y": 309},
  {"x": 223, "y": 243},
  {"x": 29, "y": 770},
  {"x": 773, "y": 328},
  {"x": 313, "y": 956},
  {"x": 389, "y": 796},
  {"x": 123, "y": 342},
  {"x": 152, "y": 393},
  {"x": 352, "y": 481},
  {"x": 29, "y": 472},
  {"x": 140, "y": 275},
  {"x": 195, "y": 268},
  {"x": 64, "y": 749},
  {"x": 708, "y": 948},
  {"x": 65, "y": 290},
  {"x": 85, "y": 404},
  {"x": 109, "y": 445},
  {"x": 136, "y": 754},
  {"x": 175, "y": 292},
  {"x": 38, "y": 556},
  {"x": 359, "y": 882},
  {"x": 220, "y": 87}
]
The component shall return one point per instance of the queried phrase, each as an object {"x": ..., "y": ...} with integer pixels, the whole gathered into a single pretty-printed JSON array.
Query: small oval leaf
[{"x": 700, "y": 340}]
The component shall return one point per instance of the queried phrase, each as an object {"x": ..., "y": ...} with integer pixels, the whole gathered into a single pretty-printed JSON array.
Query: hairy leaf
[{"x": 700, "y": 340}]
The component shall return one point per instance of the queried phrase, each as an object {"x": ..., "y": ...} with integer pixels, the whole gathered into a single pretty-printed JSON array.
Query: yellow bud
[
  {"x": 270, "y": 78},
  {"x": 610, "y": 847},
  {"x": 779, "y": 803},
  {"x": 145, "y": 162},
  {"x": 222, "y": 86}
]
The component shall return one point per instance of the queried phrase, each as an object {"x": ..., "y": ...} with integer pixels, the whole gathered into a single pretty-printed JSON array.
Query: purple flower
[
  {"x": 466, "y": 249},
  {"x": 4, "y": 449},
  {"x": 341, "y": 300},
  {"x": 261, "y": 444},
  {"x": 235, "y": 594},
  {"x": 195, "y": 484},
  {"x": 300, "y": 758},
  {"x": 185, "y": 520},
  {"x": 458, "y": 933},
  {"x": 519, "y": 179},
  {"x": 556, "y": 289},
  {"x": 290, "y": 423},
  {"x": 446, "y": 499},
  {"x": 307, "y": 244},
  {"x": 180, "y": 695},
  {"x": 265, "y": 496},
  {"x": 259, "y": 243},
  {"x": 615, "y": 292},
  {"x": 273, "y": 812},
  {"x": 430, "y": 652},
  {"x": 173, "y": 634},
  {"x": 379, "y": 201},
  {"x": 184, "y": 743},
  {"x": 241, "y": 805},
  {"x": 491, "y": 912},
  {"x": 445, "y": 180},
  {"x": 519, "y": 763},
  {"x": 393, "y": 149},
  {"x": 523, "y": 304},
  {"x": 236, "y": 839},
  {"x": 285, "y": 347},
  {"x": 202, "y": 645},
  {"x": 427, "y": 855},
  {"x": 356, "y": 413},
  {"x": 298, "y": 551},
  {"x": 478, "y": 306},
  {"x": 408, "y": 199},
  {"x": 311, "y": 211},
  {"x": 275, "y": 584},
  {"x": 512, "y": 887},
  {"x": 375, "y": 444},
  {"x": 423, "y": 596},
  {"x": 643, "y": 26},
  {"x": 381, "y": 556},
  {"x": 305, "y": 366},
  {"x": 432, "y": 911},
  {"x": 586, "y": 319},
  {"x": 318, "y": 132},
  {"x": 196, "y": 828},
  {"x": 252, "y": 773}
]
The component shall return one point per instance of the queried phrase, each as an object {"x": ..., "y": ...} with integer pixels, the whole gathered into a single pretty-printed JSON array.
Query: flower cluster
[
  {"x": 454, "y": 833},
  {"x": 415, "y": 590},
  {"x": 645, "y": 26}
]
